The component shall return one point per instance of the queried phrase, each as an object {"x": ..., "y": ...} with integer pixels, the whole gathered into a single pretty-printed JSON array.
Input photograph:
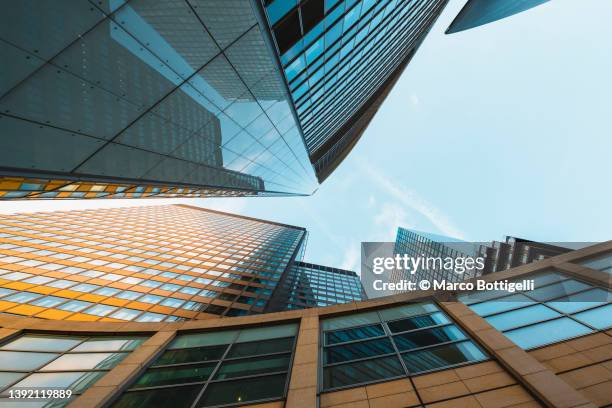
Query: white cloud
[
  {"x": 414, "y": 99},
  {"x": 412, "y": 200}
]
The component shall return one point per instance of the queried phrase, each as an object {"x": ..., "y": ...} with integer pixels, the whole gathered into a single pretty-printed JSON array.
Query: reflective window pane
[
  {"x": 427, "y": 337},
  {"x": 243, "y": 390},
  {"x": 191, "y": 355},
  {"x": 175, "y": 375},
  {"x": 547, "y": 332},
  {"x": 85, "y": 361},
  {"x": 253, "y": 366},
  {"x": 14, "y": 360},
  {"x": 361, "y": 349},
  {"x": 521, "y": 317},
  {"x": 600, "y": 318},
  {"x": 362, "y": 371},
  {"x": 163, "y": 397},
  {"x": 261, "y": 347},
  {"x": 42, "y": 343},
  {"x": 417, "y": 322},
  {"x": 364, "y": 332},
  {"x": 443, "y": 356}
]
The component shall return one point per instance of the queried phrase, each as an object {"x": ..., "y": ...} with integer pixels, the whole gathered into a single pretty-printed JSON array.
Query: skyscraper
[
  {"x": 340, "y": 60},
  {"x": 157, "y": 263},
  {"x": 480, "y": 12},
  {"x": 194, "y": 98},
  {"x": 307, "y": 285},
  {"x": 497, "y": 256}
]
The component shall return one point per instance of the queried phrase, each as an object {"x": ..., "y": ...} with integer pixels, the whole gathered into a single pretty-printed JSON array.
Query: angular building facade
[
  {"x": 340, "y": 59},
  {"x": 546, "y": 347},
  {"x": 158, "y": 263},
  {"x": 306, "y": 285},
  {"x": 195, "y": 98},
  {"x": 480, "y": 12}
]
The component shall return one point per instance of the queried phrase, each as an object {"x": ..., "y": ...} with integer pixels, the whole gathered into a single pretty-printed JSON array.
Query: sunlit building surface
[
  {"x": 480, "y": 12},
  {"x": 546, "y": 347},
  {"x": 192, "y": 98},
  {"x": 307, "y": 285},
  {"x": 159, "y": 263}
]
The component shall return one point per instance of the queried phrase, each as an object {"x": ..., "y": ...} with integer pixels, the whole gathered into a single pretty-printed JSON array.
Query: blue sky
[{"x": 505, "y": 129}]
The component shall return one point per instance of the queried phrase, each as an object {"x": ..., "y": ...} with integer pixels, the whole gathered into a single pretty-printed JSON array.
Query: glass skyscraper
[
  {"x": 193, "y": 98},
  {"x": 307, "y": 285},
  {"x": 496, "y": 256},
  {"x": 480, "y": 12},
  {"x": 158, "y": 263}
]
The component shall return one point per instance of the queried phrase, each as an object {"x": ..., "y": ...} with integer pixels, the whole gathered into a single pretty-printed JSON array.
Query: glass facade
[
  {"x": 182, "y": 97},
  {"x": 144, "y": 264},
  {"x": 421, "y": 244},
  {"x": 391, "y": 343},
  {"x": 601, "y": 263},
  {"x": 337, "y": 54},
  {"x": 480, "y": 12},
  {"x": 62, "y": 362},
  {"x": 559, "y": 308},
  {"x": 217, "y": 369},
  {"x": 308, "y": 285}
]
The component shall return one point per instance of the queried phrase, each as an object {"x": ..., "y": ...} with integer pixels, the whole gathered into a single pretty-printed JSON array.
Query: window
[
  {"x": 376, "y": 346},
  {"x": 48, "y": 361},
  {"x": 557, "y": 309},
  {"x": 233, "y": 366},
  {"x": 601, "y": 263}
]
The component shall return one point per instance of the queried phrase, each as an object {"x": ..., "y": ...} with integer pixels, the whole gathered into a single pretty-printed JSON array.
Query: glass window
[
  {"x": 427, "y": 337},
  {"x": 357, "y": 350},
  {"x": 418, "y": 322},
  {"x": 259, "y": 356},
  {"x": 75, "y": 362},
  {"x": 521, "y": 317},
  {"x": 600, "y": 318},
  {"x": 161, "y": 397},
  {"x": 14, "y": 360},
  {"x": 88, "y": 361},
  {"x": 191, "y": 355},
  {"x": 358, "y": 333},
  {"x": 601, "y": 263},
  {"x": 559, "y": 289},
  {"x": 253, "y": 366},
  {"x": 243, "y": 390},
  {"x": 547, "y": 332},
  {"x": 42, "y": 343},
  {"x": 443, "y": 356},
  {"x": 580, "y": 301},
  {"x": 501, "y": 305},
  {"x": 175, "y": 375}
]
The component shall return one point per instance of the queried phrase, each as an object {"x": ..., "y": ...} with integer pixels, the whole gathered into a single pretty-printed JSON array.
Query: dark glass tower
[
  {"x": 193, "y": 98},
  {"x": 117, "y": 99},
  {"x": 340, "y": 58},
  {"x": 306, "y": 285}
]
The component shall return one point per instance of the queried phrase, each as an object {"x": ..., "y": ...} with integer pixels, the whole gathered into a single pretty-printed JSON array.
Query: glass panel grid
[
  {"x": 55, "y": 361},
  {"x": 406, "y": 342},
  {"x": 559, "y": 308},
  {"x": 206, "y": 362}
]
